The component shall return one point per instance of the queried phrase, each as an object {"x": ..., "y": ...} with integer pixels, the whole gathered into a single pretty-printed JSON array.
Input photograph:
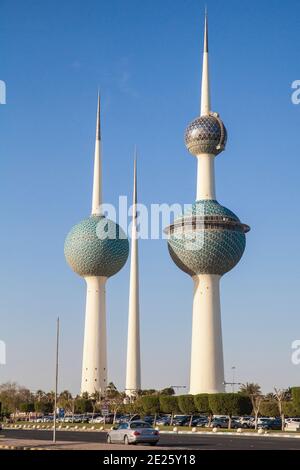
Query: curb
[
  {"x": 220, "y": 433},
  {"x": 199, "y": 433},
  {"x": 19, "y": 448}
]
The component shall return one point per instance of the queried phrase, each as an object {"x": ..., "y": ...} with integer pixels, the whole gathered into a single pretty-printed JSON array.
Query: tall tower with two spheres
[
  {"x": 206, "y": 242},
  {"x": 96, "y": 249}
]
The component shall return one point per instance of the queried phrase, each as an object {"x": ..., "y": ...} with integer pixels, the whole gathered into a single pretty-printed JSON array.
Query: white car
[
  {"x": 97, "y": 420},
  {"x": 292, "y": 420},
  {"x": 135, "y": 432}
]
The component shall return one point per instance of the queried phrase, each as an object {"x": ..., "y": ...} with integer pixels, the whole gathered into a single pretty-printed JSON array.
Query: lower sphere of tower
[
  {"x": 208, "y": 239},
  {"x": 96, "y": 246}
]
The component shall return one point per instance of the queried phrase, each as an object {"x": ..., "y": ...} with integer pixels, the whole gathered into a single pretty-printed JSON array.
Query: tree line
[{"x": 248, "y": 401}]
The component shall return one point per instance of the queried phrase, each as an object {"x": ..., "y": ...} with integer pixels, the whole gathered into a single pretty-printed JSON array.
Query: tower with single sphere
[
  {"x": 96, "y": 249},
  {"x": 206, "y": 242}
]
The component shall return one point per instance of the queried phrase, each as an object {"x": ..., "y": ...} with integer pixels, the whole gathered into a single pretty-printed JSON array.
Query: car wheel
[
  {"x": 108, "y": 439},
  {"x": 126, "y": 441},
  {"x": 153, "y": 443}
]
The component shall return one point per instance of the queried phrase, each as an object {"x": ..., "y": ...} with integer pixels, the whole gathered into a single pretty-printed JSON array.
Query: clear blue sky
[{"x": 146, "y": 57}]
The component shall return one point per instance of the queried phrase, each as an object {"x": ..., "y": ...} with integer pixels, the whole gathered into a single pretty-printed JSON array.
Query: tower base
[
  {"x": 94, "y": 364},
  {"x": 207, "y": 367}
]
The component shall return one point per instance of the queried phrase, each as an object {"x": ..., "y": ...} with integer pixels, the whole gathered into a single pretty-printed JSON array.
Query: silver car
[{"x": 134, "y": 432}]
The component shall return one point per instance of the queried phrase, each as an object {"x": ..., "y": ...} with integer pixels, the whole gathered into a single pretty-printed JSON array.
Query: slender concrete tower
[
  {"x": 96, "y": 249},
  {"x": 133, "y": 369},
  {"x": 208, "y": 241}
]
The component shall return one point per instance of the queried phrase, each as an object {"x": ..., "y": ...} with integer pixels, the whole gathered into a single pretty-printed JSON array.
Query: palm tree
[
  {"x": 281, "y": 396},
  {"x": 96, "y": 399},
  {"x": 111, "y": 390},
  {"x": 253, "y": 391},
  {"x": 65, "y": 400},
  {"x": 40, "y": 395},
  {"x": 250, "y": 389}
]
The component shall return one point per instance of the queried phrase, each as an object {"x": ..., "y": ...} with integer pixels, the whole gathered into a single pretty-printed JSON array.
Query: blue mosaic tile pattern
[
  {"x": 96, "y": 247},
  {"x": 207, "y": 250},
  {"x": 206, "y": 134},
  {"x": 210, "y": 207}
]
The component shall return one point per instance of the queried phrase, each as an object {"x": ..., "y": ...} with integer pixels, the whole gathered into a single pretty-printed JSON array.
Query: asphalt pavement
[{"x": 96, "y": 440}]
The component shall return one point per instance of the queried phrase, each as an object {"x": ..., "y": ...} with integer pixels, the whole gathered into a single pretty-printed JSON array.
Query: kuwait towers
[
  {"x": 96, "y": 249},
  {"x": 133, "y": 368},
  {"x": 206, "y": 242}
]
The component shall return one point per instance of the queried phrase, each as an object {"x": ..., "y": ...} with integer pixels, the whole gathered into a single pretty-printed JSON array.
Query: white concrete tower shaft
[
  {"x": 94, "y": 364},
  {"x": 205, "y": 171},
  {"x": 133, "y": 367},
  {"x": 207, "y": 366},
  {"x": 97, "y": 181}
]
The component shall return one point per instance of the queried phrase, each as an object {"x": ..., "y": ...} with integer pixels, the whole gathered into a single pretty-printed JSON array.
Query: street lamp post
[
  {"x": 56, "y": 380},
  {"x": 233, "y": 377}
]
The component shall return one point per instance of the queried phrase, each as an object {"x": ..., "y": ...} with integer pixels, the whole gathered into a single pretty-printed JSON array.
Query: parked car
[
  {"x": 201, "y": 422},
  {"x": 222, "y": 423},
  {"x": 181, "y": 420},
  {"x": 247, "y": 422},
  {"x": 149, "y": 419},
  {"x": 122, "y": 419},
  {"x": 97, "y": 420},
  {"x": 292, "y": 420},
  {"x": 134, "y": 432},
  {"x": 269, "y": 423},
  {"x": 135, "y": 418},
  {"x": 164, "y": 421},
  {"x": 39, "y": 420},
  {"x": 47, "y": 419}
]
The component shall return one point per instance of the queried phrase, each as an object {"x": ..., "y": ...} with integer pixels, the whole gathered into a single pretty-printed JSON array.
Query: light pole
[
  {"x": 233, "y": 383},
  {"x": 56, "y": 380},
  {"x": 233, "y": 377}
]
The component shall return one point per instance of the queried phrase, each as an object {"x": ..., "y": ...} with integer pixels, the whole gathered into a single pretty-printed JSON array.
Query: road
[{"x": 167, "y": 441}]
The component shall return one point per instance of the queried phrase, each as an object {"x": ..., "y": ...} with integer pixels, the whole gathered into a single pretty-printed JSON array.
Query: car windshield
[{"x": 140, "y": 425}]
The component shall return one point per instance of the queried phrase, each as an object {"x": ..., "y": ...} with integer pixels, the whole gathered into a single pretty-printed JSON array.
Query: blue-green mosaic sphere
[
  {"x": 96, "y": 246},
  {"x": 208, "y": 239},
  {"x": 206, "y": 134}
]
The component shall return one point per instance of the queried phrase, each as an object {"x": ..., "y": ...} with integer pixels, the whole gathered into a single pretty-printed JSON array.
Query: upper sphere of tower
[
  {"x": 206, "y": 134},
  {"x": 96, "y": 246}
]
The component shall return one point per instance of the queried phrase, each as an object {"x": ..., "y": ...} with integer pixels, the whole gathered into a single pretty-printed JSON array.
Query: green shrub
[
  {"x": 43, "y": 407},
  {"x": 186, "y": 404},
  {"x": 202, "y": 403},
  {"x": 27, "y": 407},
  {"x": 150, "y": 404},
  {"x": 230, "y": 404},
  {"x": 269, "y": 408},
  {"x": 296, "y": 398},
  {"x": 168, "y": 404},
  {"x": 82, "y": 405}
]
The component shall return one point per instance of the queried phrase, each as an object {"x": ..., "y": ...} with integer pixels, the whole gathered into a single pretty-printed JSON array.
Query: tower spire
[
  {"x": 205, "y": 87},
  {"x": 97, "y": 182},
  {"x": 133, "y": 366},
  {"x": 98, "y": 127},
  {"x": 134, "y": 182}
]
